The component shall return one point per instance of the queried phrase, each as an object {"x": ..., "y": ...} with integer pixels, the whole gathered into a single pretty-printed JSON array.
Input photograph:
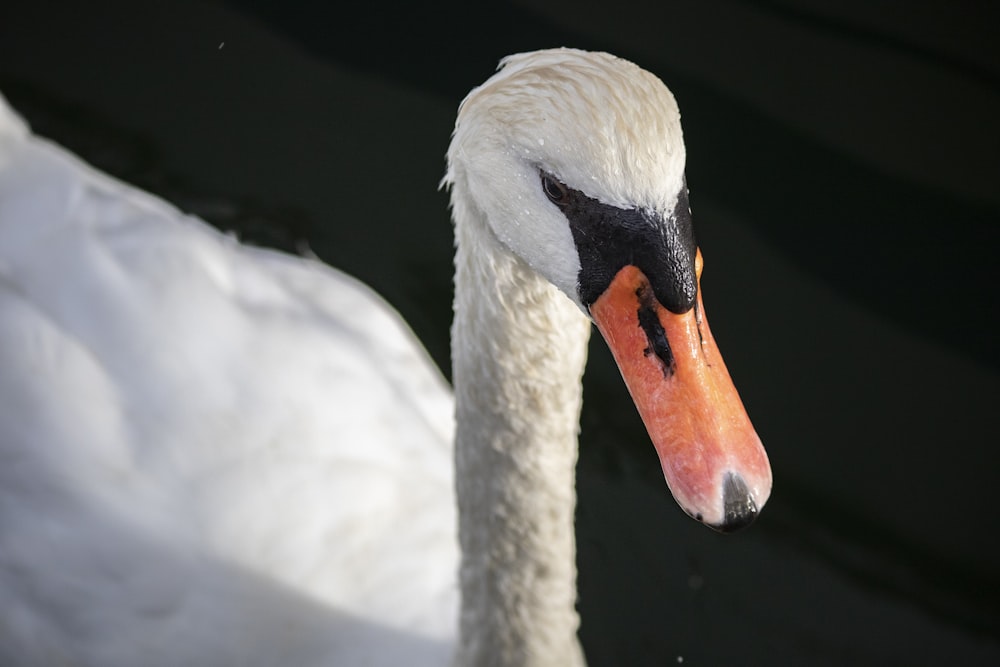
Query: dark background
[{"x": 844, "y": 162}]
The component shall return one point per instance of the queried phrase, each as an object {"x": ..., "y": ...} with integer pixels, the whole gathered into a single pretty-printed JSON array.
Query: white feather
[
  {"x": 205, "y": 448},
  {"x": 213, "y": 454}
]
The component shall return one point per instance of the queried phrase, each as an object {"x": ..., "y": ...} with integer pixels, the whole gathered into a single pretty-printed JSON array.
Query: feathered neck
[{"x": 518, "y": 351}]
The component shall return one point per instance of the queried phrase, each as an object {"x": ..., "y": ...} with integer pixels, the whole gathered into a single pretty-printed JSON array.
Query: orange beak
[{"x": 712, "y": 458}]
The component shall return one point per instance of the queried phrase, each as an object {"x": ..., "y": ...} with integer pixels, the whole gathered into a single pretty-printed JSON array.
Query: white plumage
[
  {"x": 201, "y": 443},
  {"x": 212, "y": 454}
]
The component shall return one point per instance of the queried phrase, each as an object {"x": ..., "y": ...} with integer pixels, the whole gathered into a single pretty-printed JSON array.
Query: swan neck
[{"x": 518, "y": 351}]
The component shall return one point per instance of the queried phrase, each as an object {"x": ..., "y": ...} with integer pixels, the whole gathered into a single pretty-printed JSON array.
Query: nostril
[{"x": 740, "y": 508}]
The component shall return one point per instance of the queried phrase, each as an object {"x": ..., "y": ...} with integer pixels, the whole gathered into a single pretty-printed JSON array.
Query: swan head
[
  {"x": 588, "y": 122},
  {"x": 574, "y": 161}
]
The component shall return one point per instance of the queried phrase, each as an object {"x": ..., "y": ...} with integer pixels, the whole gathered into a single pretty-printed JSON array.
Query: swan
[{"x": 217, "y": 454}]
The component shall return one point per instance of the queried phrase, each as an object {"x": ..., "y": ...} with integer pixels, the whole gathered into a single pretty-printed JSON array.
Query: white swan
[{"x": 218, "y": 455}]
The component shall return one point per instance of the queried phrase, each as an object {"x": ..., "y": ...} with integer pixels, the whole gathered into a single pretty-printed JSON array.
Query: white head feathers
[{"x": 599, "y": 124}]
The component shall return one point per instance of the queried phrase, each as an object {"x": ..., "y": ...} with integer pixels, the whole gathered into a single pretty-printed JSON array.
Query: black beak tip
[{"x": 740, "y": 507}]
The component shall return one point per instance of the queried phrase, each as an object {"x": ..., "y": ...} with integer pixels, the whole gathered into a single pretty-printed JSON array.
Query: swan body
[
  {"x": 215, "y": 454},
  {"x": 202, "y": 441}
]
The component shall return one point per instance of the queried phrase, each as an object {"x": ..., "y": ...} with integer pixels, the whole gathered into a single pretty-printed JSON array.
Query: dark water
[{"x": 843, "y": 167}]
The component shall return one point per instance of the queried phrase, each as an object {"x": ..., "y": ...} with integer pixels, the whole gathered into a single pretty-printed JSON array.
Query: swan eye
[{"x": 557, "y": 193}]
